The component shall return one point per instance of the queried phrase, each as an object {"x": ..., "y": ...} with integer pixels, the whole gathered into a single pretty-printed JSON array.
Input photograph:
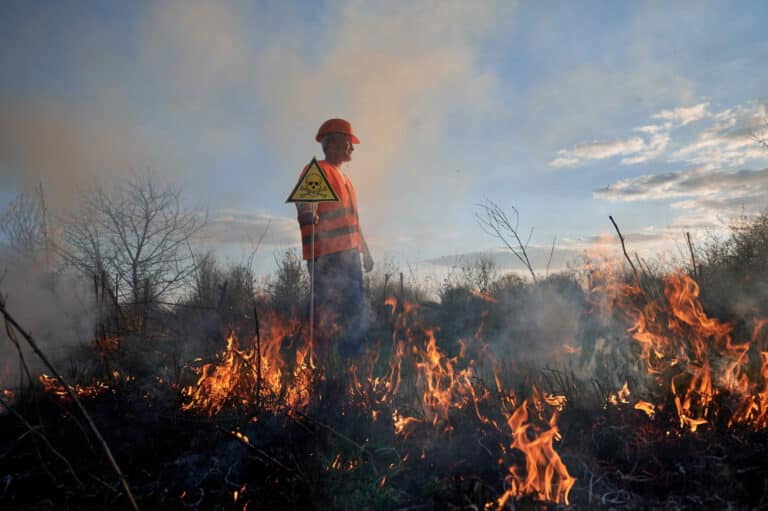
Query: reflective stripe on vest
[
  {"x": 337, "y": 227},
  {"x": 333, "y": 233},
  {"x": 329, "y": 215}
]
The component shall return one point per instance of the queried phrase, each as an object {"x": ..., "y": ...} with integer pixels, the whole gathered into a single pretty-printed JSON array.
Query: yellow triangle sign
[{"x": 313, "y": 186}]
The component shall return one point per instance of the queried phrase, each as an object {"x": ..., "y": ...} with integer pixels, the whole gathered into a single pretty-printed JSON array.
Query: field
[{"x": 601, "y": 388}]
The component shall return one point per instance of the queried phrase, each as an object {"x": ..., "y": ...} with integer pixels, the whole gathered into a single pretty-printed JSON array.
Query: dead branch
[
  {"x": 495, "y": 222},
  {"x": 258, "y": 356},
  {"x": 30, "y": 340},
  {"x": 551, "y": 253},
  {"x": 261, "y": 454},
  {"x": 624, "y": 249},
  {"x": 693, "y": 256},
  {"x": 12, "y": 336},
  {"x": 34, "y": 430}
]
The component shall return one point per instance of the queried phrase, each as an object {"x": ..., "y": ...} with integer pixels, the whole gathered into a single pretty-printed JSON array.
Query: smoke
[
  {"x": 56, "y": 309},
  {"x": 49, "y": 142},
  {"x": 398, "y": 72}
]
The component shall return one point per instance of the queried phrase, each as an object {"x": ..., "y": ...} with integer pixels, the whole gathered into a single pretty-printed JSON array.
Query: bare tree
[
  {"x": 495, "y": 222},
  {"x": 138, "y": 233},
  {"x": 22, "y": 226}
]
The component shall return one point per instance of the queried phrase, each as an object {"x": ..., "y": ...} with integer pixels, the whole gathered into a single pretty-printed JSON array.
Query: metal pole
[{"x": 312, "y": 287}]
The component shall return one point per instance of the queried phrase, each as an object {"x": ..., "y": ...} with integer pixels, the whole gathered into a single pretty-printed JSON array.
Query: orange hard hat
[{"x": 336, "y": 126}]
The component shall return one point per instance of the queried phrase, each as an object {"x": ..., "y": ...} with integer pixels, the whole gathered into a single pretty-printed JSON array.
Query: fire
[
  {"x": 51, "y": 385},
  {"x": 483, "y": 296},
  {"x": 245, "y": 376},
  {"x": 545, "y": 475},
  {"x": 693, "y": 355},
  {"x": 420, "y": 387},
  {"x": 622, "y": 396},
  {"x": 571, "y": 349},
  {"x": 645, "y": 406}
]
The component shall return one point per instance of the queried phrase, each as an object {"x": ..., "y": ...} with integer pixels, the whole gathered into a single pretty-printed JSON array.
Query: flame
[
  {"x": 571, "y": 349},
  {"x": 622, "y": 396},
  {"x": 691, "y": 354},
  {"x": 244, "y": 377},
  {"x": 438, "y": 387},
  {"x": 545, "y": 475},
  {"x": 483, "y": 296},
  {"x": 646, "y": 407},
  {"x": 51, "y": 385}
]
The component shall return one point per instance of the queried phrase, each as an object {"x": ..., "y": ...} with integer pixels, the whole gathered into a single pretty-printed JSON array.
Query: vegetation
[{"x": 439, "y": 411}]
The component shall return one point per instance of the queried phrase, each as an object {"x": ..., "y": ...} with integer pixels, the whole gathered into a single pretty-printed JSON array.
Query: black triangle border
[{"x": 322, "y": 173}]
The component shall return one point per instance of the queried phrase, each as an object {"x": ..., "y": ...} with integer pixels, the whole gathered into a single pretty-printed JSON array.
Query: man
[{"x": 339, "y": 241}]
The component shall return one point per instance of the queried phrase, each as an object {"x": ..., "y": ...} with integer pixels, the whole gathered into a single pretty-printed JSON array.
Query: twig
[
  {"x": 106, "y": 485},
  {"x": 260, "y": 452},
  {"x": 551, "y": 253},
  {"x": 496, "y": 223},
  {"x": 73, "y": 395},
  {"x": 624, "y": 249},
  {"x": 693, "y": 256},
  {"x": 12, "y": 336},
  {"x": 342, "y": 436},
  {"x": 32, "y": 429},
  {"x": 258, "y": 356}
]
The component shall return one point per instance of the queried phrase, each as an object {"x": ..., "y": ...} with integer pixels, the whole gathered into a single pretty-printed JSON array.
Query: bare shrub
[
  {"x": 288, "y": 289},
  {"x": 22, "y": 226},
  {"x": 137, "y": 232}
]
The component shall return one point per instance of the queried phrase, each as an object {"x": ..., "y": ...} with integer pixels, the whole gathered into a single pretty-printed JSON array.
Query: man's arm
[
  {"x": 304, "y": 213},
  {"x": 367, "y": 259}
]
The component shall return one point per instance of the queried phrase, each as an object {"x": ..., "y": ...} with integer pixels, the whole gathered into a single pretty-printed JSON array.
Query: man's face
[{"x": 340, "y": 147}]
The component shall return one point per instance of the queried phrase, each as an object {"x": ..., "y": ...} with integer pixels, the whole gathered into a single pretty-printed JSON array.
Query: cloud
[
  {"x": 708, "y": 193},
  {"x": 729, "y": 141},
  {"x": 635, "y": 149},
  {"x": 230, "y": 226},
  {"x": 597, "y": 151},
  {"x": 649, "y": 236},
  {"x": 693, "y": 182},
  {"x": 505, "y": 259},
  {"x": 654, "y": 148},
  {"x": 657, "y": 139},
  {"x": 684, "y": 115}
]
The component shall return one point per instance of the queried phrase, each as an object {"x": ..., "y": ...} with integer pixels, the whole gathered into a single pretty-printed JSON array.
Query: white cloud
[
  {"x": 693, "y": 182},
  {"x": 684, "y": 115},
  {"x": 231, "y": 226},
  {"x": 597, "y": 151},
  {"x": 565, "y": 161},
  {"x": 653, "y": 149},
  {"x": 726, "y": 142}
]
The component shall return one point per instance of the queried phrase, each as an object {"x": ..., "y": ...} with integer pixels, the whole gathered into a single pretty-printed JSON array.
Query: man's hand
[{"x": 367, "y": 261}]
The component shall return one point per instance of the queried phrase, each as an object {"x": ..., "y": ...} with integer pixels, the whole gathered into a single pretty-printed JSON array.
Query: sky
[{"x": 566, "y": 112}]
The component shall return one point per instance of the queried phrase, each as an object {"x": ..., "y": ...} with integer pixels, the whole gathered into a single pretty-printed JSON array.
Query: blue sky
[{"x": 568, "y": 111}]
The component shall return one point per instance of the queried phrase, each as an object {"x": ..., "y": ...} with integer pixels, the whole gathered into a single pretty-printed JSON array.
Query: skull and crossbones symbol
[{"x": 313, "y": 185}]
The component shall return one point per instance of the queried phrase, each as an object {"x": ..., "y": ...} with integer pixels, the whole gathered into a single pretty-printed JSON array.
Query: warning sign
[{"x": 313, "y": 186}]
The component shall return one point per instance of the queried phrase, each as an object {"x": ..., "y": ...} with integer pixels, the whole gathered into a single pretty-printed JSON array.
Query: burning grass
[{"x": 430, "y": 418}]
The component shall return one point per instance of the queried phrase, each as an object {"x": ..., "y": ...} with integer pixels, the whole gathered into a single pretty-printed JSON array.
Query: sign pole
[
  {"x": 312, "y": 287},
  {"x": 313, "y": 187}
]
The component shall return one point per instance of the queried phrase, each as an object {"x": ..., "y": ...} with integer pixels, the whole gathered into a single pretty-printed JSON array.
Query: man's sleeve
[{"x": 304, "y": 213}]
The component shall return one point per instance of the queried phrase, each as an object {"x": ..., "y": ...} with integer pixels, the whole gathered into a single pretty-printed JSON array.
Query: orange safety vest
[{"x": 338, "y": 227}]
